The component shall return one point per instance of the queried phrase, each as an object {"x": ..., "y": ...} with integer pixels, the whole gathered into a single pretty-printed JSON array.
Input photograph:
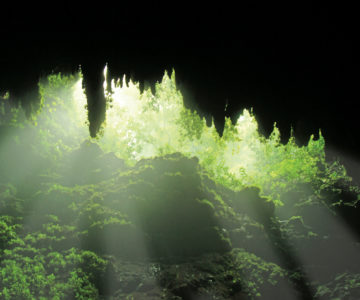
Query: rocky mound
[{"x": 162, "y": 229}]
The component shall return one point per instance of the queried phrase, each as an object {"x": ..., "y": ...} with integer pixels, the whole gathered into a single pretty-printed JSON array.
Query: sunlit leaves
[{"x": 143, "y": 125}]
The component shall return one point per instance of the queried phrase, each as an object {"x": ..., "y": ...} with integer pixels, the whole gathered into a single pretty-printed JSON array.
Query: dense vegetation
[{"x": 159, "y": 205}]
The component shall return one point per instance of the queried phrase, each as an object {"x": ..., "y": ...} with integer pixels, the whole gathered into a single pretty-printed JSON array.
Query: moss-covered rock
[{"x": 164, "y": 229}]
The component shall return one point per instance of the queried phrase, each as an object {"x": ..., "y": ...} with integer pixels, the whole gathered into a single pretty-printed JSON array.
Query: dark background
[{"x": 294, "y": 64}]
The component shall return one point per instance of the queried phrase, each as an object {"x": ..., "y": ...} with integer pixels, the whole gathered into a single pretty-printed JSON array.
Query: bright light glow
[
  {"x": 80, "y": 103},
  {"x": 50, "y": 148},
  {"x": 140, "y": 125},
  {"x": 145, "y": 125}
]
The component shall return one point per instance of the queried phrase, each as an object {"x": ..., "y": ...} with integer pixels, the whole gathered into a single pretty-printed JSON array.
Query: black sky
[{"x": 295, "y": 64}]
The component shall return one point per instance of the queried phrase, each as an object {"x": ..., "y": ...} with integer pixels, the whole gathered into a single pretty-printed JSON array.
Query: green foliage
[
  {"x": 7, "y": 232},
  {"x": 256, "y": 274},
  {"x": 151, "y": 125},
  {"x": 11, "y": 115},
  {"x": 280, "y": 167},
  {"x": 142, "y": 125},
  {"x": 30, "y": 273},
  {"x": 62, "y": 121},
  {"x": 10, "y": 204},
  {"x": 183, "y": 175},
  {"x": 191, "y": 125},
  {"x": 344, "y": 286},
  {"x": 147, "y": 125},
  {"x": 59, "y": 125}
]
